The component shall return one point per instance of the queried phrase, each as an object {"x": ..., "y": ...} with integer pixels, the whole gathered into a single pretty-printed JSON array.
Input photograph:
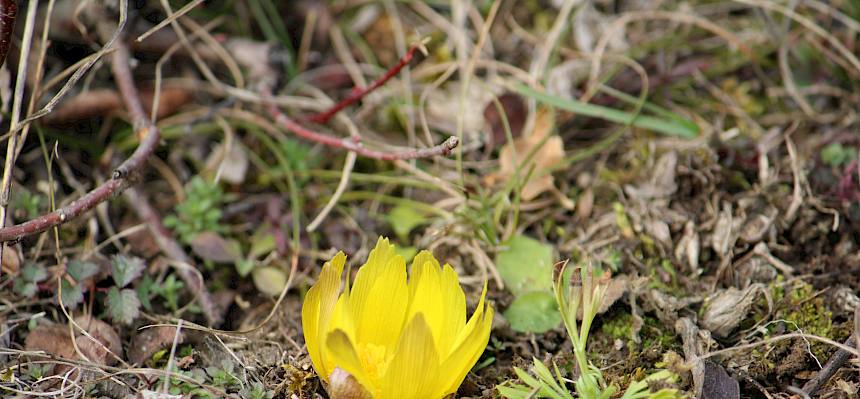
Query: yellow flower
[{"x": 398, "y": 339}]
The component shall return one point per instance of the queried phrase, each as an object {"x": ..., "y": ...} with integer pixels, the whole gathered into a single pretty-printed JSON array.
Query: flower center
[{"x": 373, "y": 359}]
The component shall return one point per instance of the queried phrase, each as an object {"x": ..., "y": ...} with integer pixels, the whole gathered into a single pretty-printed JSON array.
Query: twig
[
  {"x": 122, "y": 176},
  {"x": 359, "y": 92},
  {"x": 830, "y": 368},
  {"x": 12, "y": 143},
  {"x": 351, "y": 145},
  {"x": 170, "y": 248},
  {"x": 8, "y": 11}
]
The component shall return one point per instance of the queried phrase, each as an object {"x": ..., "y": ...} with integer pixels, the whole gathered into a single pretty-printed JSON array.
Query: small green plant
[
  {"x": 27, "y": 283},
  {"x": 123, "y": 303},
  {"x": 27, "y": 202},
  {"x": 585, "y": 292},
  {"x": 256, "y": 391},
  {"x": 835, "y": 154},
  {"x": 199, "y": 212},
  {"x": 169, "y": 289}
]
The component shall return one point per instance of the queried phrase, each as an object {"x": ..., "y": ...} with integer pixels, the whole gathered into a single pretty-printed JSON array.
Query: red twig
[
  {"x": 351, "y": 145},
  {"x": 358, "y": 93},
  {"x": 122, "y": 176},
  {"x": 8, "y": 12}
]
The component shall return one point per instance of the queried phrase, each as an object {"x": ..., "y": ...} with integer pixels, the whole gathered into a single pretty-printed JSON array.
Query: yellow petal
[
  {"x": 468, "y": 347},
  {"x": 437, "y": 295},
  {"x": 413, "y": 371},
  {"x": 346, "y": 357},
  {"x": 317, "y": 310},
  {"x": 379, "y": 296}
]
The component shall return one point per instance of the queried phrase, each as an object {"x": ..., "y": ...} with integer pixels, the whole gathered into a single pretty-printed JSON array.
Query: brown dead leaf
[
  {"x": 151, "y": 340},
  {"x": 211, "y": 246},
  {"x": 718, "y": 384},
  {"x": 726, "y": 309},
  {"x": 513, "y": 110},
  {"x": 548, "y": 151},
  {"x": 53, "y": 339},
  {"x": 230, "y": 164},
  {"x": 11, "y": 261},
  {"x": 101, "y": 102},
  {"x": 105, "y": 334}
]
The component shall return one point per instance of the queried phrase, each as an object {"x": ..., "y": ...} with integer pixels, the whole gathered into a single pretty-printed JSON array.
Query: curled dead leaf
[
  {"x": 151, "y": 340},
  {"x": 513, "y": 110},
  {"x": 108, "y": 339},
  {"x": 56, "y": 340},
  {"x": 211, "y": 246},
  {"x": 726, "y": 309},
  {"x": 548, "y": 151}
]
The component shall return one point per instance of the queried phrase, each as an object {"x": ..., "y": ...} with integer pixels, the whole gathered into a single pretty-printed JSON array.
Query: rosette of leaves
[{"x": 199, "y": 212}]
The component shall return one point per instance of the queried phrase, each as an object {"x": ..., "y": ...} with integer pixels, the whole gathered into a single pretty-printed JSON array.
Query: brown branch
[
  {"x": 358, "y": 93},
  {"x": 355, "y": 146},
  {"x": 836, "y": 361},
  {"x": 8, "y": 12},
  {"x": 170, "y": 248},
  {"x": 122, "y": 176}
]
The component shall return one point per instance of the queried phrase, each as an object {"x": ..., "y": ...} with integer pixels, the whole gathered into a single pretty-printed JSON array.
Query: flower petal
[
  {"x": 379, "y": 296},
  {"x": 413, "y": 371},
  {"x": 346, "y": 357},
  {"x": 317, "y": 310},
  {"x": 468, "y": 347},
  {"x": 437, "y": 295}
]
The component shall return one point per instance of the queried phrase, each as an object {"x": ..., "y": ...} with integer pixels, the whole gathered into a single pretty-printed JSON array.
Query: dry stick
[
  {"x": 122, "y": 176},
  {"x": 359, "y": 92},
  {"x": 830, "y": 368},
  {"x": 351, "y": 145},
  {"x": 8, "y": 11},
  {"x": 12, "y": 142}
]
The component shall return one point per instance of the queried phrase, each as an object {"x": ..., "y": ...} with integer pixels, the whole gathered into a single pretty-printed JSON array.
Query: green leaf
[
  {"x": 81, "y": 270},
  {"x": 526, "y": 265},
  {"x": 262, "y": 242},
  {"x": 835, "y": 155},
  {"x": 123, "y": 306},
  {"x": 26, "y": 288},
  {"x": 407, "y": 253},
  {"x": 244, "y": 267},
  {"x": 144, "y": 290},
  {"x": 269, "y": 280},
  {"x": 534, "y": 312},
  {"x": 72, "y": 295},
  {"x": 125, "y": 269},
  {"x": 403, "y": 218},
  {"x": 672, "y": 127},
  {"x": 33, "y": 273}
]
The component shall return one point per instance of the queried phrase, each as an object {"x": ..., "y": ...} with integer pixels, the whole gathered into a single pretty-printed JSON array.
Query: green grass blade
[{"x": 672, "y": 127}]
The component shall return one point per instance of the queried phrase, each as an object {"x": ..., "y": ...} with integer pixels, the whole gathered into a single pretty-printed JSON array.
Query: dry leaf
[
  {"x": 151, "y": 340},
  {"x": 725, "y": 310},
  {"x": 515, "y": 111},
  {"x": 231, "y": 166},
  {"x": 105, "y": 334},
  {"x": 549, "y": 151},
  {"x": 211, "y": 246},
  {"x": 53, "y": 339},
  {"x": 718, "y": 384}
]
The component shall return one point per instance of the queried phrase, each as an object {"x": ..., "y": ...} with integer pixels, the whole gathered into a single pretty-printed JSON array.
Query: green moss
[
  {"x": 801, "y": 310},
  {"x": 619, "y": 327}
]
